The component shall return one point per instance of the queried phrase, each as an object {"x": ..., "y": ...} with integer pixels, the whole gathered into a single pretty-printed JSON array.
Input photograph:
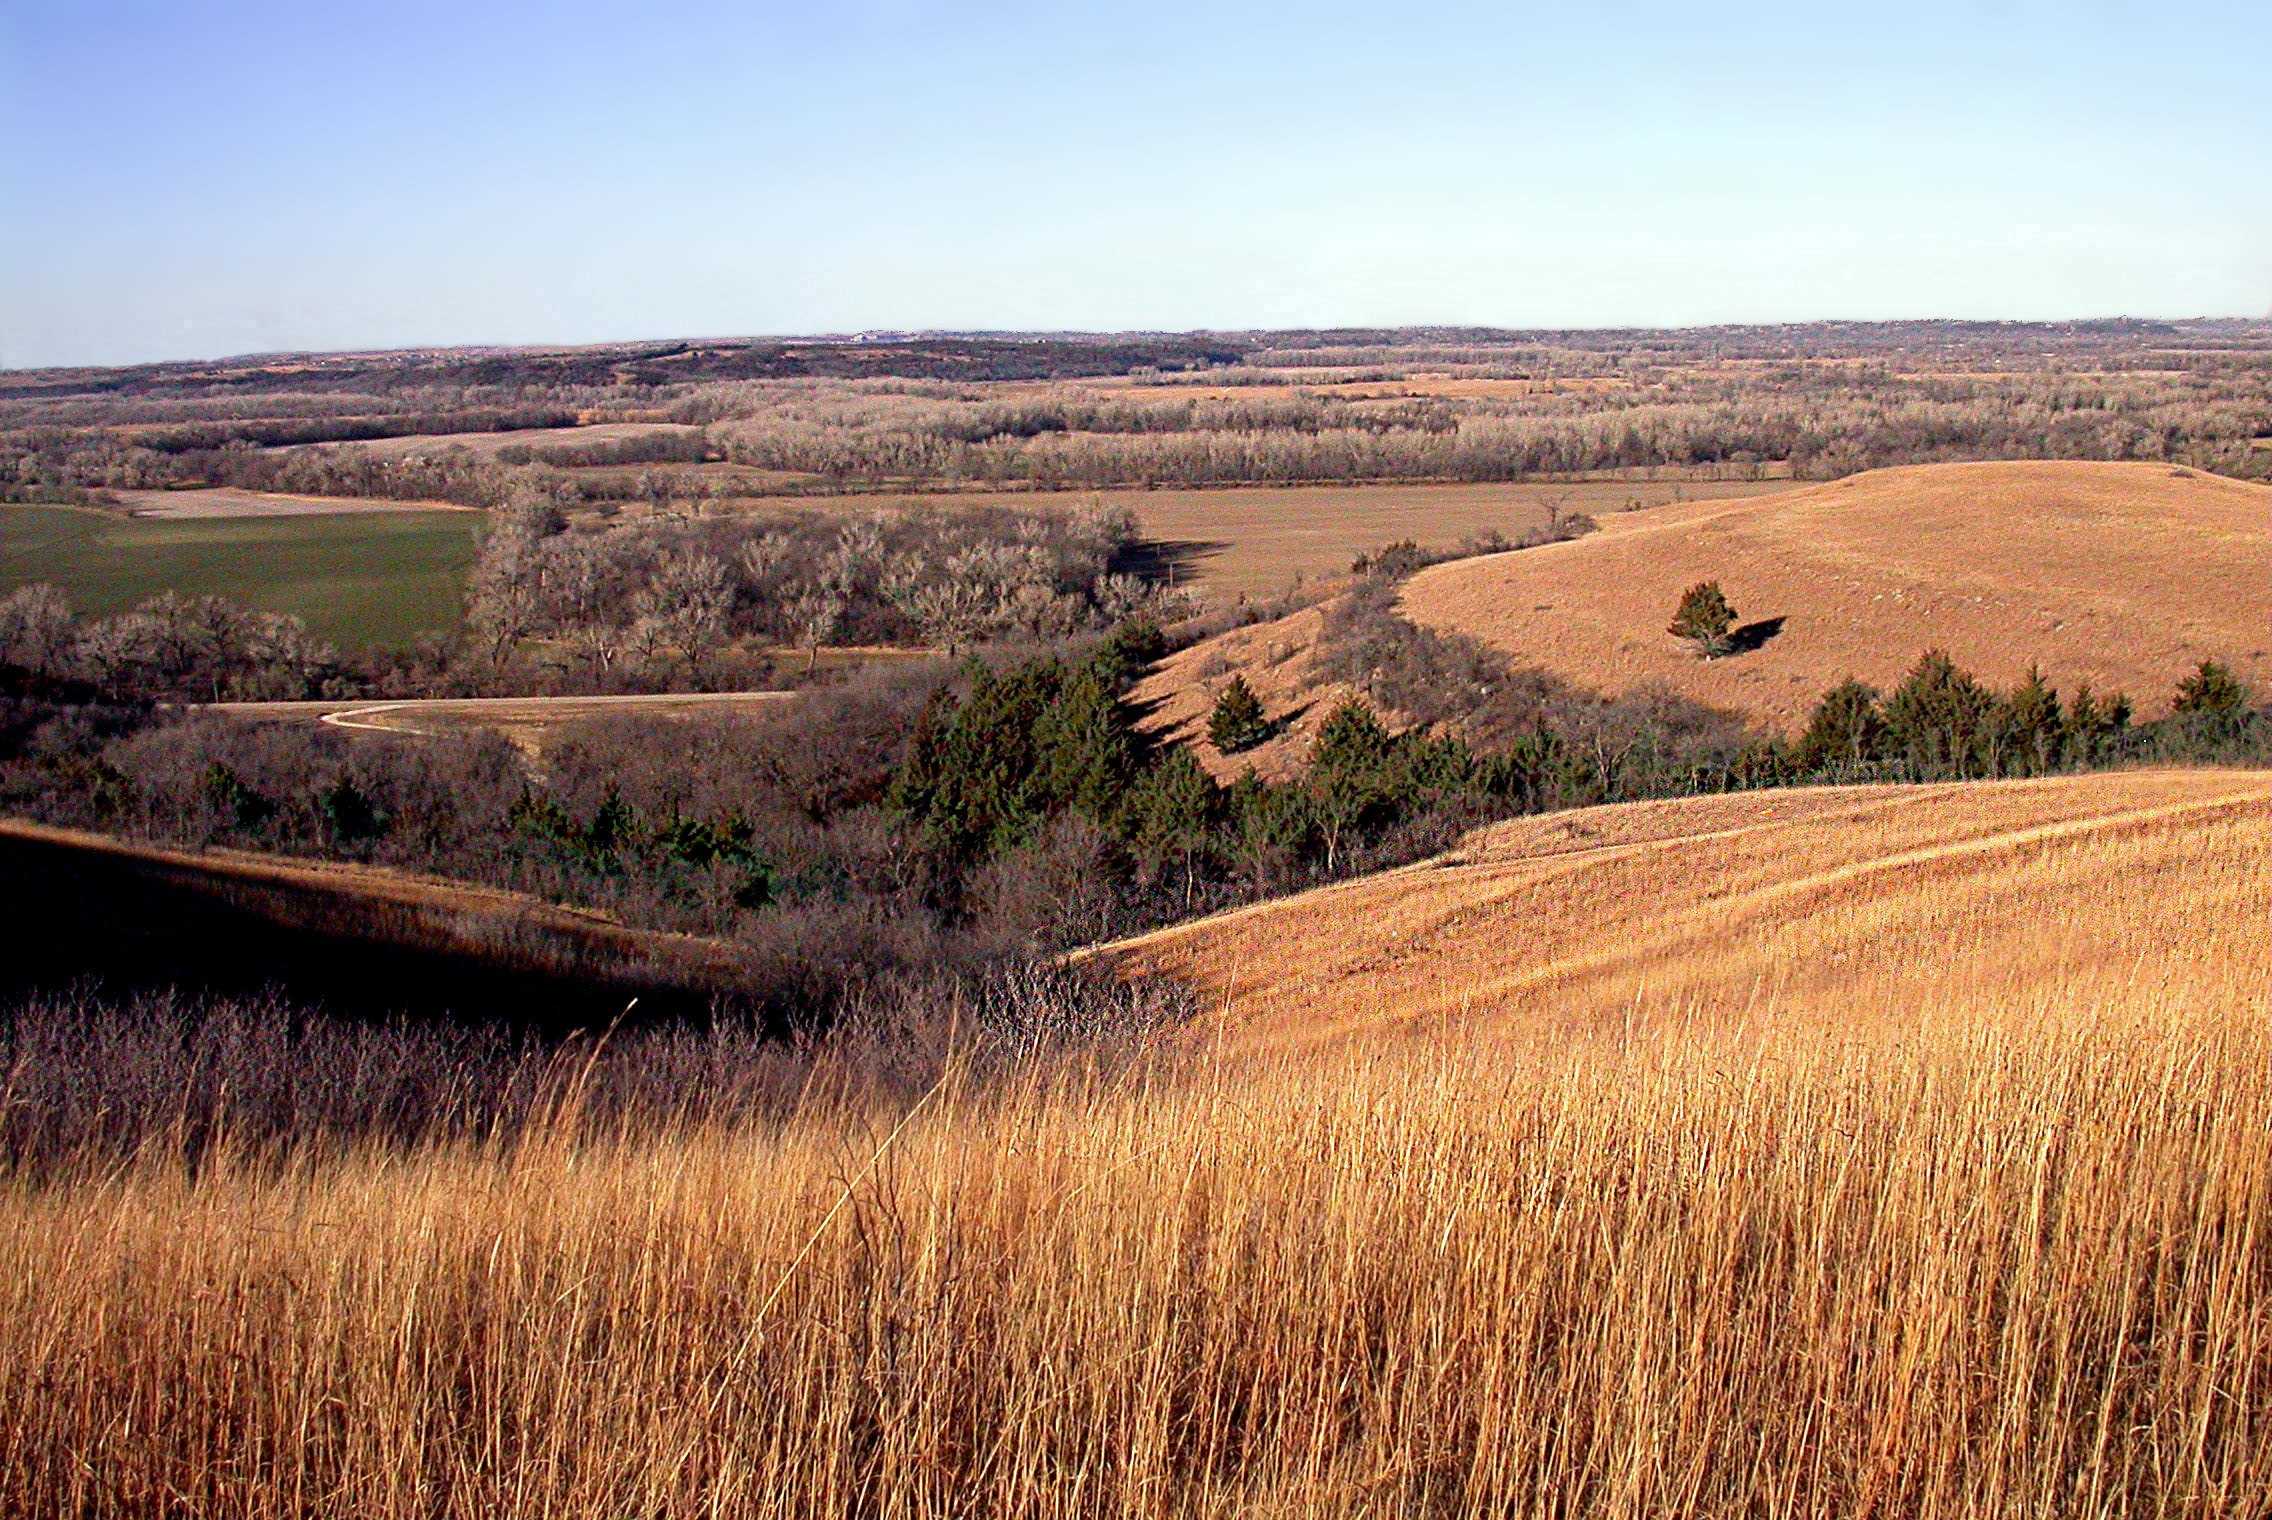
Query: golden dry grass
[
  {"x": 1276, "y": 657},
  {"x": 1840, "y": 898},
  {"x": 1952, "y": 1234},
  {"x": 2125, "y": 575}
]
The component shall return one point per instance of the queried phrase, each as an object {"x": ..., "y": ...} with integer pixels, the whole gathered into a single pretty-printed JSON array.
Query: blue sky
[{"x": 191, "y": 180}]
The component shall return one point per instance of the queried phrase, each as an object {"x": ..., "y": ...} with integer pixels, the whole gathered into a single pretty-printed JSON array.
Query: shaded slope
[{"x": 358, "y": 939}]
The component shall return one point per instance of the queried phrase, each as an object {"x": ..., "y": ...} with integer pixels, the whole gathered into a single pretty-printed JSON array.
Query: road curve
[{"x": 520, "y": 719}]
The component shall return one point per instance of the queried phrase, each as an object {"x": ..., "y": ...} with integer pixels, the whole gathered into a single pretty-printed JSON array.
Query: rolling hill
[
  {"x": 2125, "y": 575},
  {"x": 1838, "y": 904}
]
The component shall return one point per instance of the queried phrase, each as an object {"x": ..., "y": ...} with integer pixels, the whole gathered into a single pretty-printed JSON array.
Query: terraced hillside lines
[
  {"x": 2125, "y": 575},
  {"x": 1849, "y": 901}
]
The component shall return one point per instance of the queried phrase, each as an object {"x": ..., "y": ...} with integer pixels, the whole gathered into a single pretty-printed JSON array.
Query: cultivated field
[
  {"x": 2125, "y": 575},
  {"x": 357, "y": 577},
  {"x": 489, "y": 443},
  {"x": 226, "y": 501},
  {"x": 1920, "y": 1163},
  {"x": 1232, "y": 543}
]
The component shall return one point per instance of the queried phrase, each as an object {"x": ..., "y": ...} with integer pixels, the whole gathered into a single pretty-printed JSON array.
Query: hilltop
[{"x": 2124, "y": 575}]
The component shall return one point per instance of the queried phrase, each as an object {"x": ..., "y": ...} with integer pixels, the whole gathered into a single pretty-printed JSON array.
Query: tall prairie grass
[{"x": 2005, "y": 1256}]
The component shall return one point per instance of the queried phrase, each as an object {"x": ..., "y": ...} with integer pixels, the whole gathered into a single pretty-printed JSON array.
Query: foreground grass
[
  {"x": 2013, "y": 1260},
  {"x": 1937, "y": 1181},
  {"x": 356, "y": 578}
]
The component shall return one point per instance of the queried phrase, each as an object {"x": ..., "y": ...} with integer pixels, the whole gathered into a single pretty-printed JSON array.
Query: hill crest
[{"x": 2123, "y": 575}]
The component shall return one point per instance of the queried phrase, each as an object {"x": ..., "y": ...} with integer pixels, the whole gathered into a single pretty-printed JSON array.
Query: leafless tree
[
  {"x": 815, "y": 615},
  {"x": 36, "y": 630},
  {"x": 692, "y": 597}
]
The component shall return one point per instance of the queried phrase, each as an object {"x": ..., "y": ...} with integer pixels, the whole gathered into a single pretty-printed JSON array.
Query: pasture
[
  {"x": 357, "y": 578},
  {"x": 2125, "y": 576},
  {"x": 1846, "y": 900}
]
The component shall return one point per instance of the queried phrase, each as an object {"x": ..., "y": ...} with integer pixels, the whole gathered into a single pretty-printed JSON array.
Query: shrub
[
  {"x": 348, "y": 814},
  {"x": 2094, "y": 728},
  {"x": 1172, "y": 816},
  {"x": 1939, "y": 718},
  {"x": 1392, "y": 562},
  {"x": 2031, "y": 729}
]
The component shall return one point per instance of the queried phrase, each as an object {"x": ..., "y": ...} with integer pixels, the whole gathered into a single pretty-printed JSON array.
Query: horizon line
[{"x": 883, "y": 333}]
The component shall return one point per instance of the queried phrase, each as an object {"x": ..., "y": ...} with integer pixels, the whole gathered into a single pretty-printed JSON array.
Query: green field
[{"x": 358, "y": 578}]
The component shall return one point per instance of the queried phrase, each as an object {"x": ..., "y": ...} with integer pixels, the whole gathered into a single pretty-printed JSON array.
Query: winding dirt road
[{"x": 526, "y": 721}]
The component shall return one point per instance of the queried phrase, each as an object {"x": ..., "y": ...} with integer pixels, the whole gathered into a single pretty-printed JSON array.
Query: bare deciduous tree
[
  {"x": 36, "y": 632},
  {"x": 692, "y": 597}
]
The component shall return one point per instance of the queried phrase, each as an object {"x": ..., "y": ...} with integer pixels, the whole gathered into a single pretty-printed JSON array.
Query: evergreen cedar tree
[
  {"x": 987, "y": 768},
  {"x": 2213, "y": 703},
  {"x": 1704, "y": 618},
  {"x": 1021, "y": 745},
  {"x": 1237, "y": 722},
  {"x": 1942, "y": 723}
]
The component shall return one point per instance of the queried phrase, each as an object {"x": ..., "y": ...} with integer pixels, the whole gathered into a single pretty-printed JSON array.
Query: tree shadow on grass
[
  {"x": 1753, "y": 635},
  {"x": 1167, "y": 560}
]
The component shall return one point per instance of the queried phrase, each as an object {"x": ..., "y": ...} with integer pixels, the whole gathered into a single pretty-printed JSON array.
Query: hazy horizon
[
  {"x": 415, "y": 345},
  {"x": 260, "y": 178}
]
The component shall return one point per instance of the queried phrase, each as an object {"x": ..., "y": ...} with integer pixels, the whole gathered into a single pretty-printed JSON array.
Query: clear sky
[{"x": 185, "y": 179}]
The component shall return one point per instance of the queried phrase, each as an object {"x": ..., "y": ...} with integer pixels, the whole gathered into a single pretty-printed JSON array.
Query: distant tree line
[
  {"x": 1820, "y": 401},
  {"x": 641, "y": 366},
  {"x": 1817, "y": 425}
]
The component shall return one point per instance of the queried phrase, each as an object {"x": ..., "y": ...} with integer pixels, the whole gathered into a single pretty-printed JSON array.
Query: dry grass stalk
[{"x": 1991, "y": 1241}]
